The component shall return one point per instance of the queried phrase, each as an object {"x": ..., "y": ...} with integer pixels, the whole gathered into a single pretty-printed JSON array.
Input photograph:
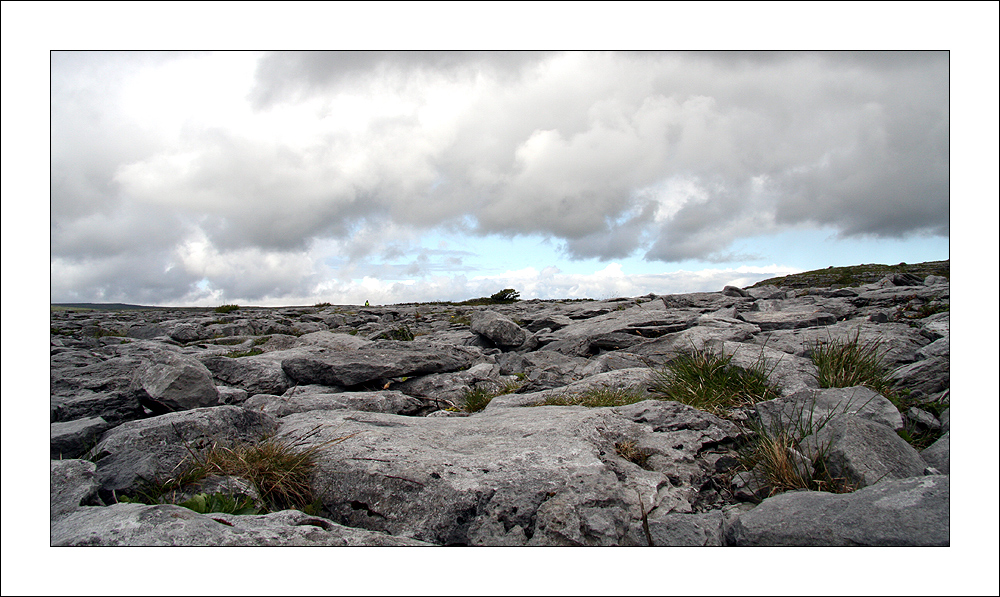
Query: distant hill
[
  {"x": 856, "y": 275},
  {"x": 100, "y": 306}
]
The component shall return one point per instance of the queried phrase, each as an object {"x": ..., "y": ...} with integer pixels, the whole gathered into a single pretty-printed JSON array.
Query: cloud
[{"x": 670, "y": 156}]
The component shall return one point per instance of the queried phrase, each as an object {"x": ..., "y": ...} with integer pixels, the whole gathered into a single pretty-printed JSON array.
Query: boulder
[
  {"x": 72, "y": 438},
  {"x": 895, "y": 513},
  {"x": 813, "y": 407},
  {"x": 499, "y": 330},
  {"x": 938, "y": 454},
  {"x": 149, "y": 450},
  {"x": 533, "y": 476},
  {"x": 384, "y": 359},
  {"x": 862, "y": 451},
  {"x": 256, "y": 374},
  {"x": 72, "y": 484}
]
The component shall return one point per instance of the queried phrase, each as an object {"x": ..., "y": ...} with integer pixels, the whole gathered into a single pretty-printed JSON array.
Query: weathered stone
[
  {"x": 862, "y": 451},
  {"x": 169, "y": 525},
  {"x": 72, "y": 484},
  {"x": 929, "y": 375},
  {"x": 787, "y": 372},
  {"x": 538, "y": 476},
  {"x": 498, "y": 329},
  {"x": 813, "y": 407},
  {"x": 257, "y": 374},
  {"x": 73, "y": 438},
  {"x": 151, "y": 448},
  {"x": 708, "y": 332},
  {"x": 897, "y": 342},
  {"x": 787, "y": 320},
  {"x": 938, "y": 454},
  {"x": 385, "y": 359},
  {"x": 385, "y": 401},
  {"x": 903, "y": 512}
]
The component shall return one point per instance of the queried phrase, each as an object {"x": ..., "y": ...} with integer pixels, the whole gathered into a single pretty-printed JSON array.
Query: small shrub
[
  {"x": 227, "y": 308},
  {"x": 507, "y": 295},
  {"x": 710, "y": 382},
  {"x": 322, "y": 305}
]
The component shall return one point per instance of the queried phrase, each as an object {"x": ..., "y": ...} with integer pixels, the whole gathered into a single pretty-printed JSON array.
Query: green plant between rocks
[
  {"x": 599, "y": 397},
  {"x": 776, "y": 457},
  {"x": 227, "y": 308},
  {"x": 711, "y": 382},
  {"x": 279, "y": 468},
  {"x": 845, "y": 363},
  {"x": 235, "y": 354},
  {"x": 206, "y": 503},
  {"x": 478, "y": 398}
]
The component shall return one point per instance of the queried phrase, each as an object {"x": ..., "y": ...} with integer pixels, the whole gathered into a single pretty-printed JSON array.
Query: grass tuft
[
  {"x": 599, "y": 397},
  {"x": 476, "y": 399},
  {"x": 710, "y": 382},
  {"x": 227, "y": 308},
  {"x": 279, "y": 469},
  {"x": 852, "y": 362}
]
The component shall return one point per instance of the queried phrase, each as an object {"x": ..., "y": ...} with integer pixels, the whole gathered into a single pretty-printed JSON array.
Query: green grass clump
[
  {"x": 322, "y": 305},
  {"x": 845, "y": 363},
  {"x": 235, "y": 354},
  {"x": 710, "y": 382},
  {"x": 476, "y": 399},
  {"x": 279, "y": 469},
  {"x": 227, "y": 308},
  {"x": 599, "y": 397}
]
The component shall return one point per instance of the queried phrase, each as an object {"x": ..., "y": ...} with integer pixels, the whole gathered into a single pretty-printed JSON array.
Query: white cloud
[{"x": 672, "y": 156}]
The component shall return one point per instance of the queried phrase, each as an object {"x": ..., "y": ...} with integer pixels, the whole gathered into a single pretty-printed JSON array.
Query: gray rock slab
[
  {"x": 451, "y": 387},
  {"x": 679, "y": 530},
  {"x": 930, "y": 376},
  {"x": 256, "y": 374},
  {"x": 902, "y": 512},
  {"x": 938, "y": 454},
  {"x": 815, "y": 406},
  {"x": 862, "y": 451},
  {"x": 787, "y": 320},
  {"x": 151, "y": 448},
  {"x": 70, "y": 439},
  {"x": 898, "y": 342},
  {"x": 334, "y": 340},
  {"x": 384, "y": 401},
  {"x": 384, "y": 359},
  {"x": 498, "y": 329},
  {"x": 708, "y": 331},
  {"x": 636, "y": 377},
  {"x": 169, "y": 526},
  {"x": 534, "y": 476},
  {"x": 72, "y": 484},
  {"x": 936, "y": 326},
  {"x": 788, "y": 372}
]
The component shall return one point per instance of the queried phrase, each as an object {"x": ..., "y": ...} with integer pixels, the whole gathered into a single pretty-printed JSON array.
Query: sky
[
  {"x": 196, "y": 179},
  {"x": 276, "y": 178}
]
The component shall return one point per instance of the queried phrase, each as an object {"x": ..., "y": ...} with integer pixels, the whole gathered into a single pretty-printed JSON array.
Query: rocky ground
[{"x": 387, "y": 402}]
